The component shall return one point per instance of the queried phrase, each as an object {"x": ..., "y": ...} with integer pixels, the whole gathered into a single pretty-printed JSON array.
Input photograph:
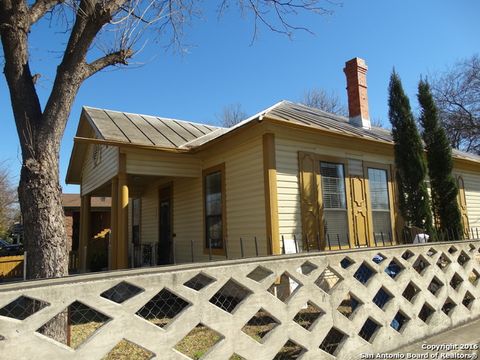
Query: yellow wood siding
[
  {"x": 149, "y": 215},
  {"x": 287, "y": 148},
  {"x": 163, "y": 164},
  {"x": 245, "y": 204},
  {"x": 188, "y": 219},
  {"x": 95, "y": 175},
  {"x": 472, "y": 196},
  {"x": 244, "y": 195}
]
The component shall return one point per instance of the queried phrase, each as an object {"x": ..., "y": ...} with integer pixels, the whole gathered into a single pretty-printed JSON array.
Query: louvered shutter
[
  {"x": 462, "y": 202},
  {"x": 309, "y": 198}
]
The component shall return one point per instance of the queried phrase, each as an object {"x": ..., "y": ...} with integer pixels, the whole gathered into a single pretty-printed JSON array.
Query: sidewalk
[{"x": 459, "y": 343}]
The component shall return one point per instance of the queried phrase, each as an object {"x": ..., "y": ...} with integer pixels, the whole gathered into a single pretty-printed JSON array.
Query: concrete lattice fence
[{"x": 303, "y": 306}]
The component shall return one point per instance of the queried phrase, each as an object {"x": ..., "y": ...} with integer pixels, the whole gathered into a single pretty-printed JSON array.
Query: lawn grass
[{"x": 194, "y": 345}]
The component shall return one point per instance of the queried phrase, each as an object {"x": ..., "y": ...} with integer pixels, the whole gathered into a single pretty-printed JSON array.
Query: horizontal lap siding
[
  {"x": 245, "y": 203},
  {"x": 288, "y": 187},
  {"x": 472, "y": 195},
  {"x": 163, "y": 164},
  {"x": 95, "y": 176},
  {"x": 149, "y": 215},
  {"x": 245, "y": 197},
  {"x": 187, "y": 219},
  {"x": 288, "y": 193}
]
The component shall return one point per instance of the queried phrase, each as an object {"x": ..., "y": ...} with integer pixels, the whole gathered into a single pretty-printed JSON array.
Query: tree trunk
[{"x": 43, "y": 217}]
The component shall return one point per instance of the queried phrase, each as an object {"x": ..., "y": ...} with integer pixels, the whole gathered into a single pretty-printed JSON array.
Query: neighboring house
[
  {"x": 201, "y": 190},
  {"x": 99, "y": 217}
]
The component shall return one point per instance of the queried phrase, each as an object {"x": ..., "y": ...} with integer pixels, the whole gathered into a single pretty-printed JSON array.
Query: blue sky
[{"x": 222, "y": 67}]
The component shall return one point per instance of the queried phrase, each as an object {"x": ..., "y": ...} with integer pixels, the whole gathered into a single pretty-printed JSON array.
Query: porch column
[
  {"x": 84, "y": 232},
  {"x": 112, "y": 256},
  {"x": 122, "y": 243}
]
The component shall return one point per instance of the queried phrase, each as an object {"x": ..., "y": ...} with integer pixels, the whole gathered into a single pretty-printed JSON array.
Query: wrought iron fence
[
  {"x": 143, "y": 254},
  {"x": 298, "y": 243}
]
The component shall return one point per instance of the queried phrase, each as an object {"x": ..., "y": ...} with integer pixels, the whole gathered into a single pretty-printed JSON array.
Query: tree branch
[
  {"x": 73, "y": 70},
  {"x": 14, "y": 25},
  {"x": 118, "y": 57},
  {"x": 40, "y": 8}
]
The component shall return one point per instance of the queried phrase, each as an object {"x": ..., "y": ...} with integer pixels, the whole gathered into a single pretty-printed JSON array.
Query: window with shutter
[
  {"x": 334, "y": 203},
  {"x": 380, "y": 205}
]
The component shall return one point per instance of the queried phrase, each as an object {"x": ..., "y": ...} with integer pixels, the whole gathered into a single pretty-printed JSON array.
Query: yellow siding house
[{"x": 184, "y": 192}]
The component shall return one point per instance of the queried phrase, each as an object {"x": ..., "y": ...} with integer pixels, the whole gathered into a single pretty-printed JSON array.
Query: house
[
  {"x": 99, "y": 222},
  {"x": 195, "y": 191},
  {"x": 99, "y": 217}
]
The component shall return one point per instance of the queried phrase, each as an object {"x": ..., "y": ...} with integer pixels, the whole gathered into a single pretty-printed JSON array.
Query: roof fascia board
[
  {"x": 91, "y": 122},
  {"x": 123, "y": 145},
  {"x": 465, "y": 164}
]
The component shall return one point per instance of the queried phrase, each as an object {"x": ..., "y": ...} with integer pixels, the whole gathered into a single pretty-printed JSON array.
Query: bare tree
[
  {"x": 232, "y": 114},
  {"x": 99, "y": 34},
  {"x": 378, "y": 123},
  {"x": 320, "y": 99},
  {"x": 457, "y": 94},
  {"x": 8, "y": 201}
]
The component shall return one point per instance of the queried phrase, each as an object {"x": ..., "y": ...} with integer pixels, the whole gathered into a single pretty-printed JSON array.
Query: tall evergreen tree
[
  {"x": 410, "y": 163},
  {"x": 439, "y": 157}
]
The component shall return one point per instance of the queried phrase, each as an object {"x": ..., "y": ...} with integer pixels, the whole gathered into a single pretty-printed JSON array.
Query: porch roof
[{"x": 143, "y": 129}]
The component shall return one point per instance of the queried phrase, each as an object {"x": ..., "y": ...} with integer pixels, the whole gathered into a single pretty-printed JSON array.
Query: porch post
[
  {"x": 112, "y": 256},
  {"x": 84, "y": 232},
  {"x": 122, "y": 243}
]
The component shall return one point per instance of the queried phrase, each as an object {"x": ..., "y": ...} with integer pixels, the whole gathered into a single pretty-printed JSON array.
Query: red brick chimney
[{"x": 356, "y": 73}]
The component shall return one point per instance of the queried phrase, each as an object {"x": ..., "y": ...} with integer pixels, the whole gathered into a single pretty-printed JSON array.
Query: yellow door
[{"x": 359, "y": 211}]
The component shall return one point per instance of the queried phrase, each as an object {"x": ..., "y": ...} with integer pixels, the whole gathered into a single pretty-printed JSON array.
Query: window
[
  {"x": 380, "y": 204},
  {"x": 214, "y": 208},
  {"x": 334, "y": 203}
]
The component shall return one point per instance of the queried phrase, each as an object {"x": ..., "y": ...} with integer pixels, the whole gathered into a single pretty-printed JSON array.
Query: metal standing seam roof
[
  {"x": 145, "y": 130},
  {"x": 179, "y": 134}
]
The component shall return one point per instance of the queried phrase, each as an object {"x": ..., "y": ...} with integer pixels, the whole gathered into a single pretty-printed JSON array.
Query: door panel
[{"x": 359, "y": 210}]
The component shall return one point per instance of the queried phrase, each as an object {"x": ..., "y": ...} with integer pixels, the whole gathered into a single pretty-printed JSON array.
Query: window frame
[
  {"x": 211, "y": 170},
  {"x": 391, "y": 205},
  {"x": 348, "y": 206}
]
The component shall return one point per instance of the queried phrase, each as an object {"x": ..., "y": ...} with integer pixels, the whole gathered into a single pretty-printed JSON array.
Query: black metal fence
[
  {"x": 143, "y": 255},
  {"x": 296, "y": 243},
  {"x": 146, "y": 254}
]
